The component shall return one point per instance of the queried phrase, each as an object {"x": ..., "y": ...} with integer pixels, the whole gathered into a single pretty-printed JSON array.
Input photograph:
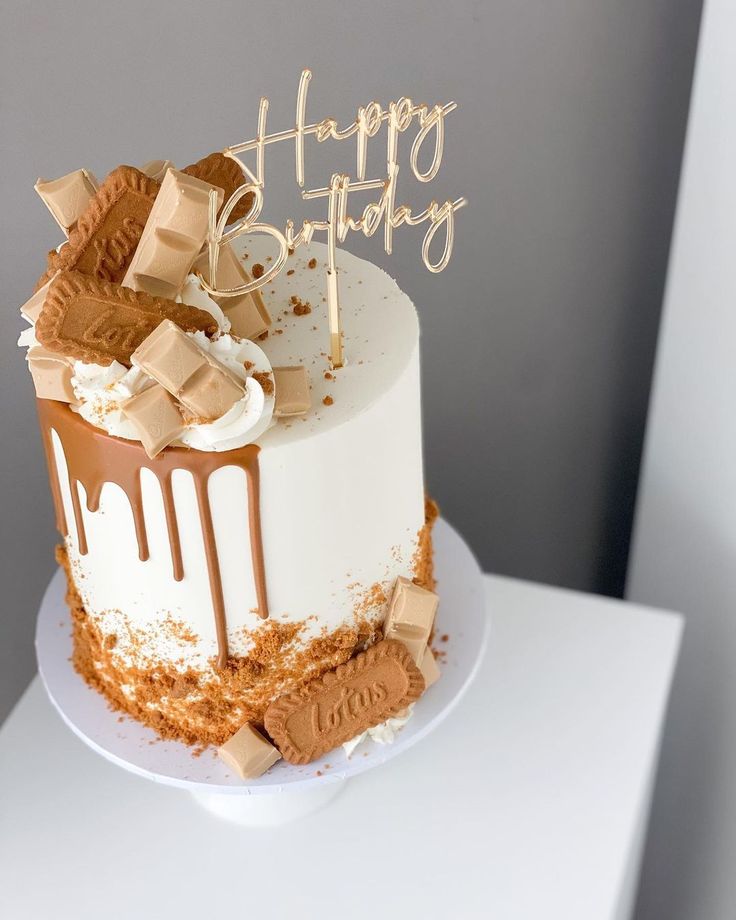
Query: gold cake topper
[{"x": 399, "y": 116}]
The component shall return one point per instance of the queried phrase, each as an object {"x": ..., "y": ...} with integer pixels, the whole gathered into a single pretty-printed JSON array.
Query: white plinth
[
  {"x": 285, "y": 792},
  {"x": 530, "y": 802}
]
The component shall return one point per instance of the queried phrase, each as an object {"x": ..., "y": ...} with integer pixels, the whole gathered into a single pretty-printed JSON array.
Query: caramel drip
[
  {"x": 172, "y": 525},
  {"x": 253, "y": 476},
  {"x": 78, "y": 519},
  {"x": 93, "y": 496},
  {"x": 135, "y": 497},
  {"x": 94, "y": 457},
  {"x": 213, "y": 569},
  {"x": 136, "y": 503},
  {"x": 54, "y": 479}
]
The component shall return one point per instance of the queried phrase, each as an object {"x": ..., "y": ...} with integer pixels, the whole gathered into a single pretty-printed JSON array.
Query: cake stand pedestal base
[
  {"x": 269, "y": 810},
  {"x": 286, "y": 792}
]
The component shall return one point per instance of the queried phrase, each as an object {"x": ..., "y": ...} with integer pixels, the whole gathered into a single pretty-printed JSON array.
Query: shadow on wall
[{"x": 697, "y": 746}]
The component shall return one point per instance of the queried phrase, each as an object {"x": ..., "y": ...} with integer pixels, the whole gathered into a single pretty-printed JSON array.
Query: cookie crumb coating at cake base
[{"x": 202, "y": 707}]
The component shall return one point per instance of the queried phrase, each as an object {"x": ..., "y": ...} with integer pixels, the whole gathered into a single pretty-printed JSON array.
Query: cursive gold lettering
[{"x": 399, "y": 117}]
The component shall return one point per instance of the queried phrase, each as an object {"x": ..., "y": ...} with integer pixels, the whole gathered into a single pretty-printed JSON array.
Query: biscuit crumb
[
  {"x": 200, "y": 706},
  {"x": 257, "y": 270},
  {"x": 266, "y": 382},
  {"x": 312, "y": 263},
  {"x": 301, "y": 308},
  {"x": 328, "y": 401}
]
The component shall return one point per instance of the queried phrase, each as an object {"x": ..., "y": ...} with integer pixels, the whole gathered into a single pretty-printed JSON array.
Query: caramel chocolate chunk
[
  {"x": 292, "y": 390},
  {"x": 173, "y": 236},
  {"x": 411, "y": 616},
  {"x": 212, "y": 391},
  {"x": 169, "y": 357},
  {"x": 413, "y": 640},
  {"x": 98, "y": 322},
  {"x": 225, "y": 173},
  {"x": 156, "y": 169},
  {"x": 429, "y": 668},
  {"x": 31, "y": 309},
  {"x": 343, "y": 703},
  {"x": 248, "y": 753},
  {"x": 67, "y": 197},
  {"x": 247, "y": 313},
  {"x": 52, "y": 375},
  {"x": 156, "y": 417},
  {"x": 107, "y": 233},
  {"x": 258, "y": 300},
  {"x": 206, "y": 388}
]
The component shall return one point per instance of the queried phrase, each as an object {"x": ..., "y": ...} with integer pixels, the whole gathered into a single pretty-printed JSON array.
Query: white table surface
[{"x": 530, "y": 802}]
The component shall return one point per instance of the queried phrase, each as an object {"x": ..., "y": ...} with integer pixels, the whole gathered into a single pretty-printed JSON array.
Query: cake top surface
[{"x": 380, "y": 326}]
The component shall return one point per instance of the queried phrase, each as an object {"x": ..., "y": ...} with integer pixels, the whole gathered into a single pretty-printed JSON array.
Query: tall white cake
[{"x": 340, "y": 495}]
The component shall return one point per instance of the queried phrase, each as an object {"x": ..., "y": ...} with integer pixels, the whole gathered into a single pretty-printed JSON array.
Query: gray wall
[
  {"x": 688, "y": 493},
  {"x": 537, "y": 340}
]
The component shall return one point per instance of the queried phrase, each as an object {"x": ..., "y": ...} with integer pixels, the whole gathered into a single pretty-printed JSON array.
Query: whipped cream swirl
[{"x": 384, "y": 733}]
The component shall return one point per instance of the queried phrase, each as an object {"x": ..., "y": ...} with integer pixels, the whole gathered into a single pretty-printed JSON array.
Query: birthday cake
[{"x": 246, "y": 537}]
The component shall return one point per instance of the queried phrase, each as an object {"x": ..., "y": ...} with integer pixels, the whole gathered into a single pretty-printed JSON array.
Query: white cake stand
[{"x": 286, "y": 792}]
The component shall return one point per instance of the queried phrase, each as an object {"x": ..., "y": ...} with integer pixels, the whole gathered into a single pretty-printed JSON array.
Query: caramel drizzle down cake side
[{"x": 120, "y": 462}]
